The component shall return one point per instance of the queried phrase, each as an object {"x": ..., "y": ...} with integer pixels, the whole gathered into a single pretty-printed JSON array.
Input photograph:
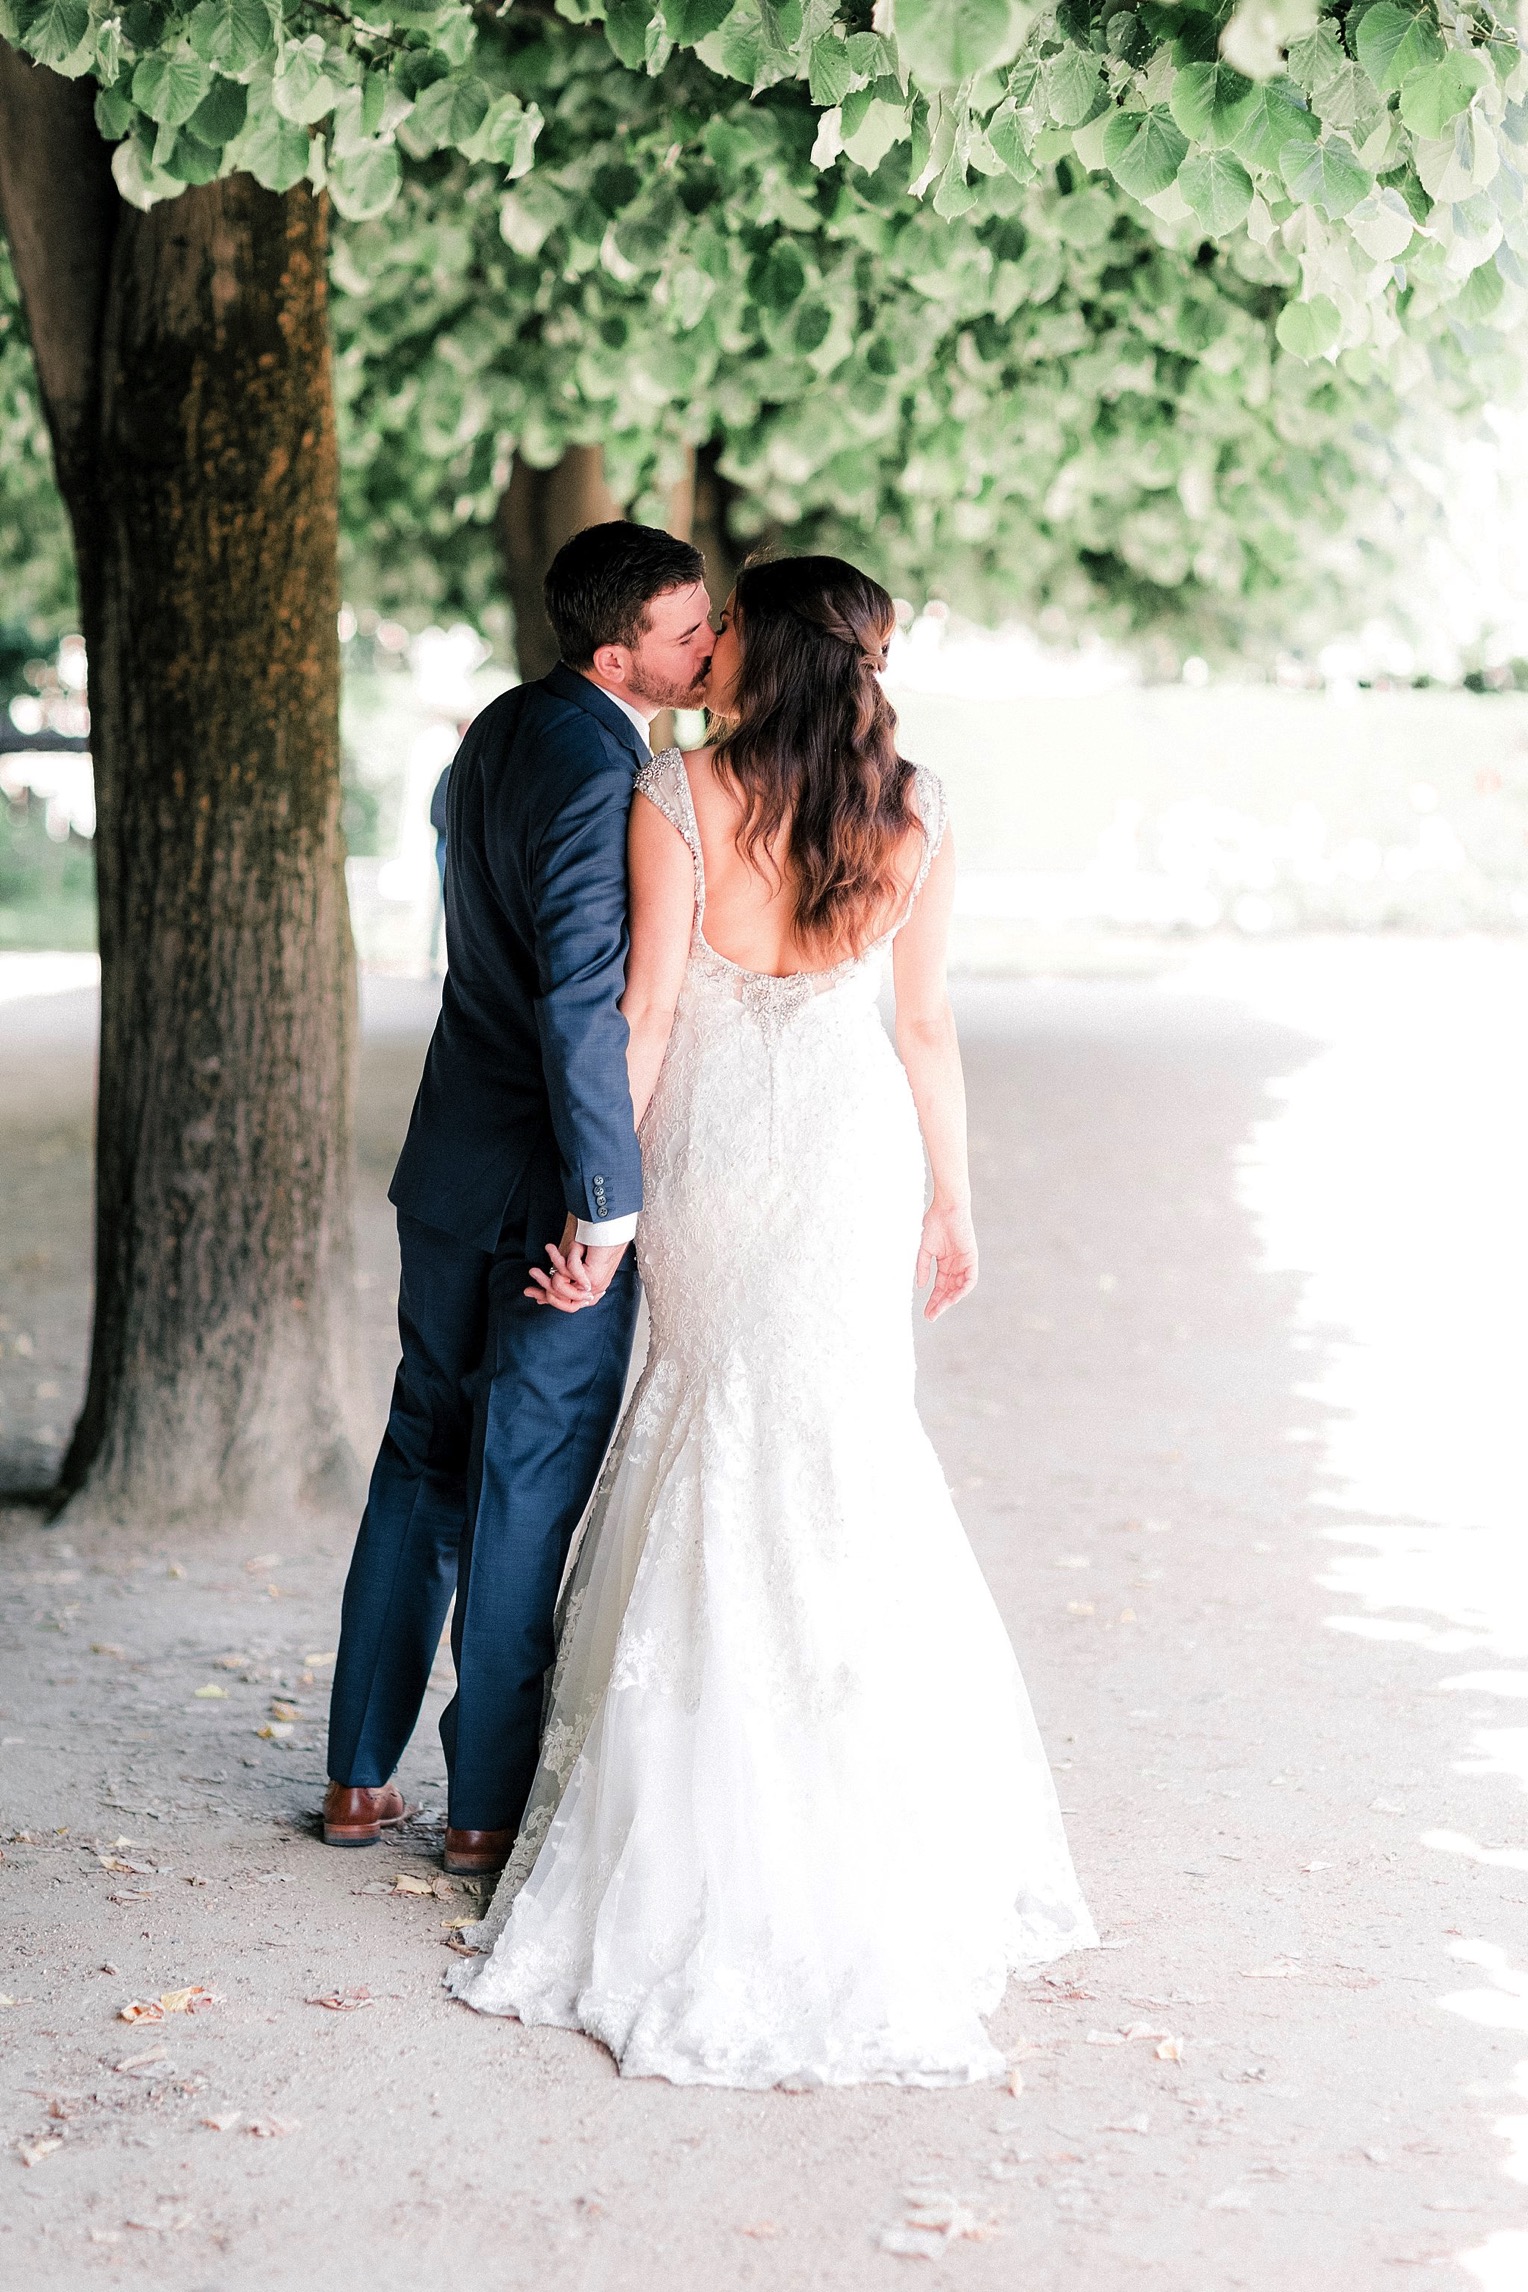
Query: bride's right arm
[
  {"x": 930, "y": 1050},
  {"x": 662, "y": 878}
]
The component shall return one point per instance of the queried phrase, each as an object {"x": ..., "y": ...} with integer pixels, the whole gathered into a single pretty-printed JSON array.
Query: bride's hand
[{"x": 947, "y": 1252}]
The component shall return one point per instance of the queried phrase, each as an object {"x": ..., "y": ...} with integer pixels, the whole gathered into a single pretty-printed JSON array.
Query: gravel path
[{"x": 1168, "y": 1416}]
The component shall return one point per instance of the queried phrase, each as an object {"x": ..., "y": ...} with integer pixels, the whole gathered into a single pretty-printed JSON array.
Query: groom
[{"x": 521, "y": 1138}]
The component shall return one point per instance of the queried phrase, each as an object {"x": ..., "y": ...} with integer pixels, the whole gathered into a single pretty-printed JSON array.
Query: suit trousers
[{"x": 501, "y": 1414}]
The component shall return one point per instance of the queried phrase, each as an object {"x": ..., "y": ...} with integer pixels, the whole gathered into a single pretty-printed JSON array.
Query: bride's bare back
[{"x": 750, "y": 911}]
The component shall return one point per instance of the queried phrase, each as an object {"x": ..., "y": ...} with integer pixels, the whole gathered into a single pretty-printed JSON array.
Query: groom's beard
[{"x": 665, "y": 692}]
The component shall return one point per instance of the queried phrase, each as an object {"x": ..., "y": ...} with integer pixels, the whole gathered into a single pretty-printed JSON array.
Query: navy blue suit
[{"x": 502, "y": 1410}]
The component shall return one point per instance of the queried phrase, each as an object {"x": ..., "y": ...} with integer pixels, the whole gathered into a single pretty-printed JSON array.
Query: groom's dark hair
[{"x": 600, "y": 584}]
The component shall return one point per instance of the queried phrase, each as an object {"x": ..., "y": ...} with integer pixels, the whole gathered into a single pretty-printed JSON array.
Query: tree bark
[
  {"x": 184, "y": 364},
  {"x": 540, "y": 510},
  {"x": 222, "y": 1374}
]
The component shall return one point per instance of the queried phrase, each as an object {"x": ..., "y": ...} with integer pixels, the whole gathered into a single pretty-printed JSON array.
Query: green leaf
[
  {"x": 1218, "y": 188},
  {"x": 778, "y": 277},
  {"x": 1272, "y": 120},
  {"x": 1005, "y": 133},
  {"x": 302, "y": 90},
  {"x": 1143, "y": 151},
  {"x": 1325, "y": 175},
  {"x": 366, "y": 182},
  {"x": 447, "y": 116},
  {"x": 55, "y": 30},
  {"x": 113, "y": 113},
  {"x": 274, "y": 150},
  {"x": 872, "y": 124},
  {"x": 626, "y": 23},
  {"x": 1210, "y": 102},
  {"x": 1315, "y": 58},
  {"x": 1071, "y": 87},
  {"x": 192, "y": 161},
  {"x": 507, "y": 135},
  {"x": 831, "y": 75},
  {"x": 1433, "y": 97},
  {"x": 1309, "y": 329},
  {"x": 946, "y": 41},
  {"x": 170, "y": 85},
  {"x": 1392, "y": 42},
  {"x": 220, "y": 115},
  {"x": 1480, "y": 296},
  {"x": 232, "y": 34},
  {"x": 691, "y": 21},
  {"x": 140, "y": 182}
]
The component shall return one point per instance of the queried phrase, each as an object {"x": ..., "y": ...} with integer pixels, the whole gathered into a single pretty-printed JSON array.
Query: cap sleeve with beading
[
  {"x": 934, "y": 812},
  {"x": 665, "y": 783}
]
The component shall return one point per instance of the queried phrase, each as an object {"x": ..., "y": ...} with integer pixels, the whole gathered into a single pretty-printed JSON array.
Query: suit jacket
[{"x": 530, "y": 1045}]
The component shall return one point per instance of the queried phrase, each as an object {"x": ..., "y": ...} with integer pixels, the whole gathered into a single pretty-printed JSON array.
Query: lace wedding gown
[{"x": 793, "y": 1822}]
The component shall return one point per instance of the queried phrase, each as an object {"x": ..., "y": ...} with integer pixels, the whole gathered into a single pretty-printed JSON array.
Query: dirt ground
[{"x": 1258, "y": 2081}]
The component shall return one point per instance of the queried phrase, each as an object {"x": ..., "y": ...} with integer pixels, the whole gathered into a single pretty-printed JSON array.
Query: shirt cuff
[{"x": 607, "y": 1233}]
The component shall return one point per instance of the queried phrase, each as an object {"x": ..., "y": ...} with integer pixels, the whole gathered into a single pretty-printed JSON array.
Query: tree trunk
[
  {"x": 184, "y": 365},
  {"x": 222, "y": 1376},
  {"x": 538, "y": 512}
]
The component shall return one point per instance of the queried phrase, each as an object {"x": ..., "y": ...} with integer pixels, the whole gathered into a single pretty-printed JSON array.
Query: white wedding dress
[{"x": 793, "y": 1822}]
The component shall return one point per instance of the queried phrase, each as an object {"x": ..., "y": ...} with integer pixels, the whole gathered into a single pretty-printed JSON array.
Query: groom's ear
[{"x": 613, "y": 662}]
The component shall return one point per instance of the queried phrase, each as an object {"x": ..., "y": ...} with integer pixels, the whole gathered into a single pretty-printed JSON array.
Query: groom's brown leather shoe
[
  {"x": 356, "y": 1816},
  {"x": 476, "y": 1853}
]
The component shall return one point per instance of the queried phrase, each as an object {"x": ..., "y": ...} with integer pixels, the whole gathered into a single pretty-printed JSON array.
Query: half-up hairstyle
[{"x": 809, "y": 741}]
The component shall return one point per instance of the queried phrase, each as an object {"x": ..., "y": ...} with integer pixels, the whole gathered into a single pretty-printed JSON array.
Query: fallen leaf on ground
[
  {"x": 1015, "y": 2081},
  {"x": 275, "y": 1730},
  {"x": 1309, "y": 1867},
  {"x": 130, "y": 1869},
  {"x": 452, "y": 1925},
  {"x": 932, "y": 2220},
  {"x": 175, "y": 1569},
  {"x": 225, "y": 2123},
  {"x": 210, "y": 1694},
  {"x": 233, "y": 1662},
  {"x": 407, "y": 1883},
  {"x": 1170, "y": 2049},
  {"x": 107, "y": 1647},
  {"x": 1079, "y": 1607},
  {"x": 272, "y": 2128},
  {"x": 1145, "y": 2029},
  {"x": 132, "y": 1894},
  {"x": 287, "y": 1711},
  {"x": 260, "y": 1562},
  {"x": 314, "y": 1662},
  {"x": 33, "y": 2152},
  {"x": 192, "y": 1999},
  {"x": 189, "y": 2000},
  {"x": 140, "y": 2060},
  {"x": 343, "y": 2001}
]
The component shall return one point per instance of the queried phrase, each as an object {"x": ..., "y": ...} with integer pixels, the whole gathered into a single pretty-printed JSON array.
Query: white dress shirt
[{"x": 614, "y": 1233}]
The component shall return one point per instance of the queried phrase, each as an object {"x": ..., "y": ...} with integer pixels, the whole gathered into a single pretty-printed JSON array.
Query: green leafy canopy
[{"x": 967, "y": 91}]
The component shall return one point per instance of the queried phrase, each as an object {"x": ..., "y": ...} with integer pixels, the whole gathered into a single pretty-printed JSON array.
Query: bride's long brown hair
[{"x": 809, "y": 740}]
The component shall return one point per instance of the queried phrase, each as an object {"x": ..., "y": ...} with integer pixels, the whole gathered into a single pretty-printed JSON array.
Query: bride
[{"x": 793, "y": 1822}]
